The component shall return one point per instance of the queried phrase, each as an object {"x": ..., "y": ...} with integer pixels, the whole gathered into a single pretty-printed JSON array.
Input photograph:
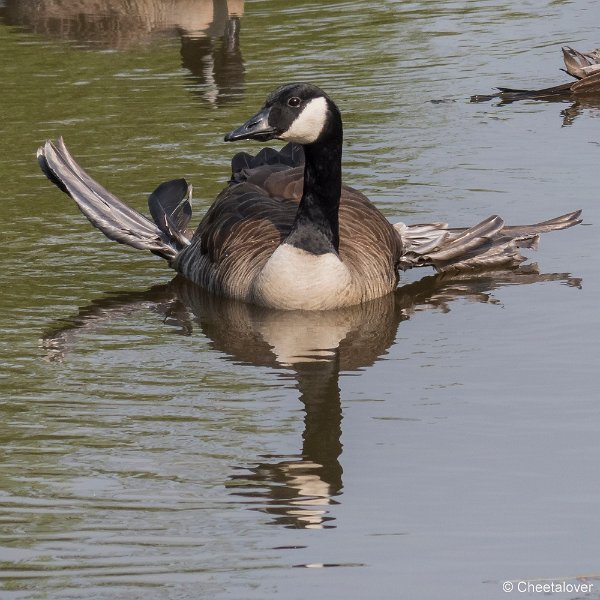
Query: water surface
[{"x": 159, "y": 443}]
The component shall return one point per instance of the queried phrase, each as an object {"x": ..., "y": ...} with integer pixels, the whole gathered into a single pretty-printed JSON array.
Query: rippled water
[{"x": 159, "y": 443}]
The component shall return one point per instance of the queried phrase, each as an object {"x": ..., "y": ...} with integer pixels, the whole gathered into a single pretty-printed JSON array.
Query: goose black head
[{"x": 296, "y": 112}]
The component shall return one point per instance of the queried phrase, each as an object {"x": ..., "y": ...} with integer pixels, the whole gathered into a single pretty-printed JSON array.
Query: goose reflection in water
[
  {"x": 209, "y": 32},
  {"x": 312, "y": 348}
]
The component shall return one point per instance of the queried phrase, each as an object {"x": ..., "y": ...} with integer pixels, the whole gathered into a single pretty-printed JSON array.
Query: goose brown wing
[
  {"x": 254, "y": 215},
  {"x": 369, "y": 244},
  {"x": 242, "y": 229},
  {"x": 241, "y": 213}
]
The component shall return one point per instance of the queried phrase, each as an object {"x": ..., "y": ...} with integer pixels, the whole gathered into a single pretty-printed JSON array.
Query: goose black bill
[{"x": 255, "y": 128}]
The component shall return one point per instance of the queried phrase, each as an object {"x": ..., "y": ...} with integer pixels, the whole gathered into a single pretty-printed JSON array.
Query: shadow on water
[
  {"x": 208, "y": 29},
  {"x": 312, "y": 348}
]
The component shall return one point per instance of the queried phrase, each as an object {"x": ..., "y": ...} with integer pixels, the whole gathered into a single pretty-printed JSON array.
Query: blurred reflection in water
[
  {"x": 314, "y": 347},
  {"x": 591, "y": 106},
  {"x": 208, "y": 29}
]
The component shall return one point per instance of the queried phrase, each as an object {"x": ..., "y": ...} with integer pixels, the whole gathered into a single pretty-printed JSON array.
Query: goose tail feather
[
  {"x": 169, "y": 205},
  {"x": 488, "y": 245}
]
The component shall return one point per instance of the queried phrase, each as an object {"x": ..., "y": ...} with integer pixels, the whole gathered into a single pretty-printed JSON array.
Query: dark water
[{"x": 158, "y": 443}]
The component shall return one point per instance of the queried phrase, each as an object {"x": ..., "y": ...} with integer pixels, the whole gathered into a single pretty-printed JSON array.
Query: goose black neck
[{"x": 316, "y": 228}]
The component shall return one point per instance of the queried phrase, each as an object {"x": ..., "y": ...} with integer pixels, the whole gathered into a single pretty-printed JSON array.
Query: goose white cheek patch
[{"x": 308, "y": 125}]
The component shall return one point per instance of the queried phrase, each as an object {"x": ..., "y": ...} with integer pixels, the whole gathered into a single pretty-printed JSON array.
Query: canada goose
[
  {"x": 583, "y": 66},
  {"x": 288, "y": 236}
]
